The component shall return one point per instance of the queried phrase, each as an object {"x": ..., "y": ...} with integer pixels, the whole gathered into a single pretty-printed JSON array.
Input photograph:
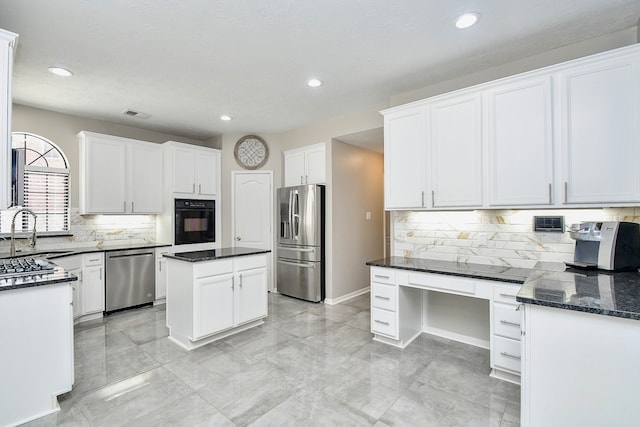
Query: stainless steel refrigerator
[{"x": 300, "y": 251}]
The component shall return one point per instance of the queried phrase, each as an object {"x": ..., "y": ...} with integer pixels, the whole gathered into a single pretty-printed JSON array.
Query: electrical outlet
[
  {"x": 482, "y": 239},
  {"x": 401, "y": 236},
  {"x": 367, "y": 216},
  {"x": 99, "y": 235}
]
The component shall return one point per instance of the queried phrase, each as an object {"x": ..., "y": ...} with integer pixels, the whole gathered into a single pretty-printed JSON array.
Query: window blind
[{"x": 46, "y": 193}]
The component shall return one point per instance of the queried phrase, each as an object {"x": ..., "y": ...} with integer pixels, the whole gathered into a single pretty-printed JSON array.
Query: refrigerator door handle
[
  {"x": 295, "y": 220},
  {"x": 298, "y": 264}
]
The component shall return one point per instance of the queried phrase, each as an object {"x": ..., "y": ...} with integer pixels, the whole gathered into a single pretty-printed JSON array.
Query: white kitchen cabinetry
[
  {"x": 456, "y": 151},
  {"x": 565, "y": 135},
  {"x": 505, "y": 333},
  {"x": 119, "y": 175},
  {"x": 405, "y": 158},
  {"x": 93, "y": 283},
  {"x": 305, "y": 165},
  {"x": 520, "y": 143},
  {"x": 194, "y": 171},
  {"x": 8, "y": 42},
  {"x": 578, "y": 369},
  {"x": 401, "y": 310},
  {"x": 36, "y": 361},
  {"x": 88, "y": 290},
  {"x": 209, "y": 300},
  {"x": 161, "y": 273},
  {"x": 601, "y": 131}
]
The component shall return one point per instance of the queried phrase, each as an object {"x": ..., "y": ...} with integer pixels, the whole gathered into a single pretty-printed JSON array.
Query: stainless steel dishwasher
[{"x": 130, "y": 279}]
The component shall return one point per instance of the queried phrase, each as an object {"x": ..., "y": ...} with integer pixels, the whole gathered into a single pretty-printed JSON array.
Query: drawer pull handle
[
  {"x": 379, "y": 276},
  {"x": 506, "y": 322},
  {"x": 384, "y": 298},
  {"x": 380, "y": 321},
  {"x": 513, "y": 356},
  {"x": 507, "y": 296}
]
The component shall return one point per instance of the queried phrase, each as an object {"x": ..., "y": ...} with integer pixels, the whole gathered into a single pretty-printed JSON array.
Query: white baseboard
[
  {"x": 477, "y": 342},
  {"x": 346, "y": 297}
]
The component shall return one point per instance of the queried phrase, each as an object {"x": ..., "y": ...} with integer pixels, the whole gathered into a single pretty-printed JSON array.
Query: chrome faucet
[{"x": 13, "y": 230}]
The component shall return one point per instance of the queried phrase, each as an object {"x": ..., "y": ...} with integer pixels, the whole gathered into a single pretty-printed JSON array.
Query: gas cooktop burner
[{"x": 26, "y": 266}]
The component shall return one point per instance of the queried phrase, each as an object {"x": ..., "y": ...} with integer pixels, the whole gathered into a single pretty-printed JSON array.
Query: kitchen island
[
  {"x": 36, "y": 359},
  {"x": 580, "y": 348},
  {"x": 215, "y": 293}
]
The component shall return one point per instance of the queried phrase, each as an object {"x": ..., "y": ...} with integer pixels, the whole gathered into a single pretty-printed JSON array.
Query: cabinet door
[
  {"x": 207, "y": 167},
  {"x": 6, "y": 61},
  {"x": 104, "y": 175},
  {"x": 315, "y": 161},
  {"x": 212, "y": 305},
  {"x": 456, "y": 152},
  {"x": 251, "y": 295},
  {"x": 601, "y": 132},
  {"x": 405, "y": 161},
  {"x": 520, "y": 147},
  {"x": 294, "y": 168},
  {"x": 161, "y": 274},
  {"x": 184, "y": 172},
  {"x": 92, "y": 290},
  {"x": 145, "y": 179}
]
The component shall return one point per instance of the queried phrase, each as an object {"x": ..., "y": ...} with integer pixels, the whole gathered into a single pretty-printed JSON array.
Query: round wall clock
[{"x": 251, "y": 152}]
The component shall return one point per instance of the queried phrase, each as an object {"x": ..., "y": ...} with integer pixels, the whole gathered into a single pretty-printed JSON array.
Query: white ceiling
[{"x": 187, "y": 62}]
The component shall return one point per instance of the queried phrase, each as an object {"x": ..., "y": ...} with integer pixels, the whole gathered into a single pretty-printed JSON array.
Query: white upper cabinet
[
  {"x": 405, "y": 160},
  {"x": 194, "y": 170},
  {"x": 568, "y": 134},
  {"x": 456, "y": 151},
  {"x": 520, "y": 143},
  {"x": 305, "y": 165},
  {"x": 119, "y": 175},
  {"x": 7, "y": 44},
  {"x": 601, "y": 131}
]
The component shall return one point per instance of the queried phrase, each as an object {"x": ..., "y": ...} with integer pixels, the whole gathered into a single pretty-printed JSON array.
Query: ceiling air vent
[{"x": 136, "y": 114}]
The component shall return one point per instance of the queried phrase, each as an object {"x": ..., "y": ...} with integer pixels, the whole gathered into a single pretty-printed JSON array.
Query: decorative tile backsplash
[
  {"x": 498, "y": 237},
  {"x": 97, "y": 230}
]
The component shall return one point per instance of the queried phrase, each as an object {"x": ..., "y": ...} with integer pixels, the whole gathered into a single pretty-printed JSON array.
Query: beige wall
[
  {"x": 63, "y": 128},
  {"x": 357, "y": 177},
  {"x": 555, "y": 56}
]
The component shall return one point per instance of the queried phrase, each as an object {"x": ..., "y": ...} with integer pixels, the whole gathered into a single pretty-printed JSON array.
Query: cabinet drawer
[
  {"x": 506, "y": 294},
  {"x": 506, "y": 354},
  {"x": 250, "y": 262},
  {"x": 213, "y": 268},
  {"x": 506, "y": 321},
  {"x": 457, "y": 285},
  {"x": 93, "y": 259},
  {"x": 384, "y": 322},
  {"x": 384, "y": 296},
  {"x": 383, "y": 275}
]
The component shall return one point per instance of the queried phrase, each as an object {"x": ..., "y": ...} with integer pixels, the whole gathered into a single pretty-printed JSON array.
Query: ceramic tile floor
[{"x": 308, "y": 365}]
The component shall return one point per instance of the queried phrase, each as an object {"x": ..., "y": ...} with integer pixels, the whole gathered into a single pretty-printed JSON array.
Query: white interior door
[{"x": 252, "y": 212}]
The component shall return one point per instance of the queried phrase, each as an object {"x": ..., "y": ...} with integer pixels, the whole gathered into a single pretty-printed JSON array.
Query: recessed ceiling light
[
  {"x": 467, "y": 20},
  {"x": 314, "y": 83},
  {"x": 225, "y": 117},
  {"x": 62, "y": 72}
]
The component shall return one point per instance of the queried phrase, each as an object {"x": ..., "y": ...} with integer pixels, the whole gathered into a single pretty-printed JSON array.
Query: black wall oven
[{"x": 195, "y": 221}]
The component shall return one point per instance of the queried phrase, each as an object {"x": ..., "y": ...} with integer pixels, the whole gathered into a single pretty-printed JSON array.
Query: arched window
[{"x": 40, "y": 182}]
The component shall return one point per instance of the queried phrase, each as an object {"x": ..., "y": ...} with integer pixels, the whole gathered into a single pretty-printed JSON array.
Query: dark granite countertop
[
  {"x": 58, "y": 275},
  {"x": 215, "y": 254},
  {"x": 548, "y": 284},
  {"x": 452, "y": 268},
  {"x": 53, "y": 253},
  {"x": 591, "y": 291}
]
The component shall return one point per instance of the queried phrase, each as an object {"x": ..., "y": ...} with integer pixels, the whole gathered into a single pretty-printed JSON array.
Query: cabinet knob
[{"x": 238, "y": 238}]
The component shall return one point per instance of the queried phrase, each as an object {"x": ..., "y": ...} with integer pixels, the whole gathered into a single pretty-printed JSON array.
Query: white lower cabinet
[
  {"x": 209, "y": 300},
  {"x": 400, "y": 311},
  {"x": 36, "y": 360},
  {"x": 88, "y": 290},
  {"x": 161, "y": 273},
  {"x": 578, "y": 369},
  {"x": 505, "y": 332}
]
